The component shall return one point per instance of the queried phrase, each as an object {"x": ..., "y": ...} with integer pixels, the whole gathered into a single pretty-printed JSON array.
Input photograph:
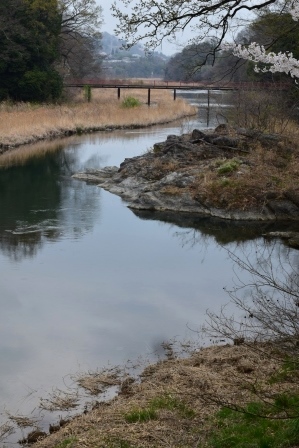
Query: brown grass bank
[
  {"x": 27, "y": 123},
  {"x": 170, "y": 406}
]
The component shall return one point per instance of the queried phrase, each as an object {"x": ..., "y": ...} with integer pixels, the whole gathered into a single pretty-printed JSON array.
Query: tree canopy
[
  {"x": 32, "y": 41},
  {"x": 29, "y": 38}
]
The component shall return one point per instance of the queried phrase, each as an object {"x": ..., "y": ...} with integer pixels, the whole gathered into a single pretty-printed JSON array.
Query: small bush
[
  {"x": 87, "y": 93},
  {"x": 130, "y": 102},
  {"x": 228, "y": 167}
]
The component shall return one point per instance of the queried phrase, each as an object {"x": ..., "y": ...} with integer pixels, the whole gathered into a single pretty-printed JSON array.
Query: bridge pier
[
  {"x": 208, "y": 110},
  {"x": 118, "y": 93},
  {"x": 174, "y": 94},
  {"x": 149, "y": 97}
]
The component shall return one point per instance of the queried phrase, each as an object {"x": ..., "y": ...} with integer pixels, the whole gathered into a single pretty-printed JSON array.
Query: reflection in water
[
  {"x": 223, "y": 231},
  {"x": 70, "y": 303},
  {"x": 37, "y": 205}
]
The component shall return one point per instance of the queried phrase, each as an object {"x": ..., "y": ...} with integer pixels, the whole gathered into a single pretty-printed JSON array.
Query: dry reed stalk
[
  {"x": 99, "y": 381},
  {"x": 25, "y": 123},
  {"x": 60, "y": 400},
  {"x": 6, "y": 430},
  {"x": 23, "y": 421}
]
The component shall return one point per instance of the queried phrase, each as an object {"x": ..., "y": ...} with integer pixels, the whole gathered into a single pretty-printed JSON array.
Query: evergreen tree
[{"x": 29, "y": 43}]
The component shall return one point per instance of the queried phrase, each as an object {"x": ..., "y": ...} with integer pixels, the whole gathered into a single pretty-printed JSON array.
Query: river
[{"x": 85, "y": 282}]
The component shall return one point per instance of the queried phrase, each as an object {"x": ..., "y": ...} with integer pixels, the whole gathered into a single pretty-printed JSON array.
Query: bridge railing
[{"x": 160, "y": 83}]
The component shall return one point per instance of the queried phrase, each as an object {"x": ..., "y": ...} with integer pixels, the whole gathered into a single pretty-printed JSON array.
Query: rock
[
  {"x": 172, "y": 137},
  {"x": 293, "y": 195},
  {"x": 175, "y": 179},
  {"x": 167, "y": 178},
  {"x": 197, "y": 134},
  {"x": 269, "y": 139},
  {"x": 283, "y": 208},
  {"x": 226, "y": 141},
  {"x": 270, "y": 195}
]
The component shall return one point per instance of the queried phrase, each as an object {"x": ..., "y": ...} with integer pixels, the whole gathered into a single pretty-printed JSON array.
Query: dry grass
[
  {"x": 98, "y": 382},
  {"x": 25, "y": 123},
  {"x": 264, "y": 173},
  {"x": 171, "y": 407},
  {"x": 60, "y": 400},
  {"x": 23, "y": 421}
]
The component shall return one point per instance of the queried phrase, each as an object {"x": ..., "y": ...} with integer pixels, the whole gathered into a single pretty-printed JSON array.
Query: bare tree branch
[{"x": 155, "y": 21}]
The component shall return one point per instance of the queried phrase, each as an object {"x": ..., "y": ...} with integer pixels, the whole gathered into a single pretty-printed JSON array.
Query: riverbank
[
  {"x": 176, "y": 403},
  {"x": 27, "y": 123},
  {"x": 229, "y": 173}
]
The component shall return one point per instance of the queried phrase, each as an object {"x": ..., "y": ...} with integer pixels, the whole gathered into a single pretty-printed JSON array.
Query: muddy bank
[{"x": 230, "y": 173}]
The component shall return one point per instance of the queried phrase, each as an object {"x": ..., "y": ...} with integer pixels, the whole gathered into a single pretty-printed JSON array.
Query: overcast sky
[
  {"x": 110, "y": 24},
  {"x": 167, "y": 48}
]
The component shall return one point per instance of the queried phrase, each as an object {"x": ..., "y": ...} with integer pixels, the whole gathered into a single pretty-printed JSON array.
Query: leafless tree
[
  {"x": 268, "y": 301},
  {"x": 155, "y": 20},
  {"x": 79, "y": 37},
  {"x": 266, "y": 322}
]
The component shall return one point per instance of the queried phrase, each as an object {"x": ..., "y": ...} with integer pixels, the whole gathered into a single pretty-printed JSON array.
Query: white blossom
[
  {"x": 294, "y": 10},
  {"x": 276, "y": 62}
]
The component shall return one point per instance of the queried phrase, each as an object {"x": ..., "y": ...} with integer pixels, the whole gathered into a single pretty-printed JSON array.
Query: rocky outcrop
[{"x": 165, "y": 178}]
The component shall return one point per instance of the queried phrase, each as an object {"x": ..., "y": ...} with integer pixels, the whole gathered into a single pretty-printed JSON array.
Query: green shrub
[
  {"x": 228, "y": 167},
  {"x": 87, "y": 93},
  {"x": 40, "y": 86},
  {"x": 130, "y": 102}
]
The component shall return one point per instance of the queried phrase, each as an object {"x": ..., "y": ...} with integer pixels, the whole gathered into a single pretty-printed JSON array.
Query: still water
[{"x": 84, "y": 280}]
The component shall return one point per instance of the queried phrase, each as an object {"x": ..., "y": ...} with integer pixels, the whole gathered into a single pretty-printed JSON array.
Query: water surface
[{"x": 84, "y": 280}]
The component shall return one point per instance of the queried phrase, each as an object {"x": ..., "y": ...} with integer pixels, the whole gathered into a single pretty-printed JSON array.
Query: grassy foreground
[
  {"x": 178, "y": 404},
  {"x": 26, "y": 123}
]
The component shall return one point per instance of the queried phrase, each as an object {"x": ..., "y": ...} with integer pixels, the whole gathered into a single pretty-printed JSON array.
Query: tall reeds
[{"x": 26, "y": 123}]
